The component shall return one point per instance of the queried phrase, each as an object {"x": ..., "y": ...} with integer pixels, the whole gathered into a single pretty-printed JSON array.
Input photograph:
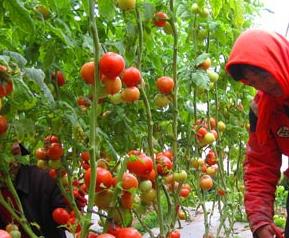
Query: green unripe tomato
[
  {"x": 213, "y": 76},
  {"x": 161, "y": 100},
  {"x": 54, "y": 164},
  {"x": 145, "y": 185},
  {"x": 15, "y": 234},
  {"x": 195, "y": 8},
  {"x": 204, "y": 12},
  {"x": 116, "y": 98}
]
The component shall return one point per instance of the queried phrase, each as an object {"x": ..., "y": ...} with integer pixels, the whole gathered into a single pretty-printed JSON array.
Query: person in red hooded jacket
[{"x": 261, "y": 59}]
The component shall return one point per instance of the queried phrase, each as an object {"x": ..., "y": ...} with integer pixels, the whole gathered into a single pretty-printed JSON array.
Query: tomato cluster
[{"x": 112, "y": 75}]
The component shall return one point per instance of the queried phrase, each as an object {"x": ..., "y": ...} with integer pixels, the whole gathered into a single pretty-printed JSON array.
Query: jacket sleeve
[{"x": 261, "y": 175}]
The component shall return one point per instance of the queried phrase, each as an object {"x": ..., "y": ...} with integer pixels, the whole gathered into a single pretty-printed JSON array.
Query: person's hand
[{"x": 269, "y": 231}]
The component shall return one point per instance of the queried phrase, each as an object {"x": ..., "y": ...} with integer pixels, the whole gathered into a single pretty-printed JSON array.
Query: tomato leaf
[
  {"x": 22, "y": 98},
  {"x": 201, "y": 58},
  {"x": 37, "y": 75},
  {"x": 201, "y": 79},
  {"x": 20, "y": 16},
  {"x": 19, "y": 59},
  {"x": 106, "y": 9}
]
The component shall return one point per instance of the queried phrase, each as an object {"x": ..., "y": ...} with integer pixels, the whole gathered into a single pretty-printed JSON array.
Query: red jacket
[
  {"x": 269, "y": 136},
  {"x": 262, "y": 168}
]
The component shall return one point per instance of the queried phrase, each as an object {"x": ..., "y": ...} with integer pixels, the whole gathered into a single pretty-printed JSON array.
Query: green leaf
[
  {"x": 201, "y": 79},
  {"x": 106, "y": 138},
  {"x": 38, "y": 76},
  {"x": 106, "y": 9},
  {"x": 22, "y": 98},
  {"x": 19, "y": 15},
  {"x": 216, "y": 7}
]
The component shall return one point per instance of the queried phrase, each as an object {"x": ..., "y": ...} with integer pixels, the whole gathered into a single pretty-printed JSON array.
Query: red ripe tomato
[
  {"x": 128, "y": 232},
  {"x": 105, "y": 235},
  {"x": 165, "y": 84},
  {"x": 160, "y": 19},
  {"x": 41, "y": 154},
  {"x": 60, "y": 216},
  {"x": 131, "y": 77},
  {"x": 104, "y": 178},
  {"x": 8, "y": 87},
  {"x": 211, "y": 158},
  {"x": 129, "y": 181},
  {"x": 87, "y": 72},
  {"x": 55, "y": 151},
  {"x": 130, "y": 94},
  {"x": 85, "y": 165},
  {"x": 140, "y": 165},
  {"x": 184, "y": 192},
  {"x": 51, "y": 139},
  {"x": 85, "y": 156},
  {"x": 93, "y": 235},
  {"x": 201, "y": 133},
  {"x": 126, "y": 200},
  {"x": 151, "y": 176},
  {"x": 83, "y": 101},
  {"x": 59, "y": 77},
  {"x": 2, "y": 91},
  {"x": 164, "y": 165},
  {"x": 169, "y": 154},
  {"x": 52, "y": 173},
  {"x": 111, "y": 64},
  {"x": 113, "y": 229},
  {"x": 4, "y": 234},
  {"x": 3, "y": 125},
  {"x": 174, "y": 234}
]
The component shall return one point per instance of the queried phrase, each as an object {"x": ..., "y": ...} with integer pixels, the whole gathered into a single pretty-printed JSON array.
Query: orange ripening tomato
[
  {"x": 87, "y": 72},
  {"x": 165, "y": 84},
  {"x": 130, "y": 94},
  {"x": 3, "y": 125},
  {"x": 129, "y": 181}
]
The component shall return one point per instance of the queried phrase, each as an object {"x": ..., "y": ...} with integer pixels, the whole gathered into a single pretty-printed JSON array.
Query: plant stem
[
  {"x": 94, "y": 144},
  {"x": 175, "y": 93},
  {"x": 20, "y": 219}
]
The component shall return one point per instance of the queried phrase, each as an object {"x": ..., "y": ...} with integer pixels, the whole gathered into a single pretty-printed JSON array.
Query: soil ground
[{"x": 195, "y": 227}]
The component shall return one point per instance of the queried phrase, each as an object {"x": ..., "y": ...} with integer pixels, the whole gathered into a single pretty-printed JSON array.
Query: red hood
[
  {"x": 266, "y": 50},
  {"x": 269, "y": 51}
]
